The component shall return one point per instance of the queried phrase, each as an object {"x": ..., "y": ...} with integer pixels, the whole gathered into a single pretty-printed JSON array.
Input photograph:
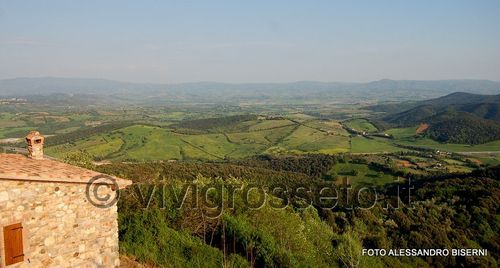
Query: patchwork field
[
  {"x": 144, "y": 143},
  {"x": 155, "y": 134}
]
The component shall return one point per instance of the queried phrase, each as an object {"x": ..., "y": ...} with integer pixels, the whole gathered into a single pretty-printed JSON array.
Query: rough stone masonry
[{"x": 46, "y": 219}]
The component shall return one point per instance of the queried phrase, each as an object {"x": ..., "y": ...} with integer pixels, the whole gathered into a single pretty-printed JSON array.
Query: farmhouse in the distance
[{"x": 46, "y": 218}]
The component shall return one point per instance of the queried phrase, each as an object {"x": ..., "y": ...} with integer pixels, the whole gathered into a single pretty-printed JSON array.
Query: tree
[{"x": 349, "y": 248}]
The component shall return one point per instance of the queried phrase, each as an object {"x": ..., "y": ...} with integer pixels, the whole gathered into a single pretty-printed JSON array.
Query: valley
[
  {"x": 220, "y": 133},
  {"x": 365, "y": 145}
]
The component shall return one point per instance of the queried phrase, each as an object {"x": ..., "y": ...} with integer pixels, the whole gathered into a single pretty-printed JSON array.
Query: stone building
[{"x": 54, "y": 214}]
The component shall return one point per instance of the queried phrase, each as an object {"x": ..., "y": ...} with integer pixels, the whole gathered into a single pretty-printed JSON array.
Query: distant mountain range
[
  {"x": 456, "y": 118},
  {"x": 108, "y": 91}
]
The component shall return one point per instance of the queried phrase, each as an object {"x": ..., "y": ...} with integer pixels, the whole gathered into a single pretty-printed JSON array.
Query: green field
[
  {"x": 305, "y": 139},
  {"x": 269, "y": 124},
  {"x": 361, "y": 125},
  {"x": 359, "y": 175},
  {"x": 401, "y": 133},
  {"x": 376, "y": 145},
  {"x": 493, "y": 146}
]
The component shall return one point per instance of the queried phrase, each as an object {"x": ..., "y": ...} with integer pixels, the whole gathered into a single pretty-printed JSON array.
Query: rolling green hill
[
  {"x": 456, "y": 118},
  {"x": 237, "y": 139}
]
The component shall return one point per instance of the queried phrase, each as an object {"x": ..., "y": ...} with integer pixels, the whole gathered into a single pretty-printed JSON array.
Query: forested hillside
[
  {"x": 452, "y": 211},
  {"x": 464, "y": 129},
  {"x": 411, "y": 117},
  {"x": 489, "y": 111}
]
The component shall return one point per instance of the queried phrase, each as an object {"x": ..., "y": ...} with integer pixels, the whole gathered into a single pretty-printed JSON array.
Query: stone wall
[{"x": 60, "y": 227}]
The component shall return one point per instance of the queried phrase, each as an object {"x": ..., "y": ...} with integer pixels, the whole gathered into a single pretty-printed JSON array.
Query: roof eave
[{"x": 122, "y": 183}]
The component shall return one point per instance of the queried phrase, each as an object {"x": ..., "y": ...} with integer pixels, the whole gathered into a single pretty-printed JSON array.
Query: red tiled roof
[{"x": 21, "y": 167}]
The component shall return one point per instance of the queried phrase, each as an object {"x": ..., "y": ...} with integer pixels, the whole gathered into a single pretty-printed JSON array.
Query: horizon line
[{"x": 236, "y": 83}]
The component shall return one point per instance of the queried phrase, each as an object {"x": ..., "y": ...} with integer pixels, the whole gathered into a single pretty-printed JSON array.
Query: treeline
[
  {"x": 85, "y": 132},
  {"x": 154, "y": 172},
  {"x": 213, "y": 123},
  {"x": 314, "y": 165}
]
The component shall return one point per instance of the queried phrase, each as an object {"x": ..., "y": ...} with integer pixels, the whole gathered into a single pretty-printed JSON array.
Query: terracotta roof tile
[{"x": 21, "y": 167}]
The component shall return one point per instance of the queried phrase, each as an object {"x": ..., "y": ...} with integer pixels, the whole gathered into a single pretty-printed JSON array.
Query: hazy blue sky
[{"x": 250, "y": 41}]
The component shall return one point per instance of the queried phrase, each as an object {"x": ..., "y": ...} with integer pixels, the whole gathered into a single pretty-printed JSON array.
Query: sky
[{"x": 250, "y": 41}]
